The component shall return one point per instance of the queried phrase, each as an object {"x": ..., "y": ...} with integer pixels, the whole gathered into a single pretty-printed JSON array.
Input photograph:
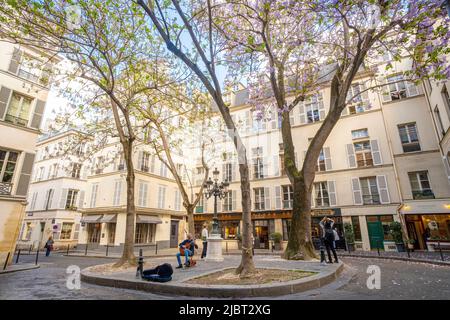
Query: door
[
  {"x": 173, "y": 234},
  {"x": 94, "y": 232},
  {"x": 376, "y": 235}
]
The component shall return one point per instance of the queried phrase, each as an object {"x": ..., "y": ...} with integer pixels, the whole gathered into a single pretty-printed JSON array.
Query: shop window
[
  {"x": 420, "y": 185},
  {"x": 144, "y": 233},
  {"x": 439, "y": 226},
  {"x": 66, "y": 231},
  {"x": 230, "y": 229},
  {"x": 111, "y": 233},
  {"x": 356, "y": 228}
]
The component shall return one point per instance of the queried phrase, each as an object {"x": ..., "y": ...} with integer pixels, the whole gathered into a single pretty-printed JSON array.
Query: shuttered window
[{"x": 409, "y": 137}]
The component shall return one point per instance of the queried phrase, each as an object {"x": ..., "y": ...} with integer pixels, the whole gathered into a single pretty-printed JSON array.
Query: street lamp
[{"x": 219, "y": 190}]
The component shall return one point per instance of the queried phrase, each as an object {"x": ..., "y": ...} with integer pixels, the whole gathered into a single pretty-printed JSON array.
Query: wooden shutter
[
  {"x": 332, "y": 193},
  {"x": 267, "y": 198},
  {"x": 144, "y": 194},
  {"x": 37, "y": 115},
  {"x": 63, "y": 198},
  {"x": 140, "y": 154},
  {"x": 117, "y": 192},
  {"x": 376, "y": 153},
  {"x": 15, "y": 61},
  {"x": 81, "y": 200},
  {"x": 351, "y": 156},
  {"x": 302, "y": 113},
  {"x": 356, "y": 188},
  {"x": 412, "y": 89},
  {"x": 327, "y": 155},
  {"x": 383, "y": 189},
  {"x": 292, "y": 116},
  {"x": 234, "y": 200},
  {"x": 25, "y": 174},
  {"x": 278, "y": 197},
  {"x": 5, "y": 93},
  {"x": 386, "y": 95},
  {"x": 321, "y": 110},
  {"x": 234, "y": 168},
  {"x": 276, "y": 166}
]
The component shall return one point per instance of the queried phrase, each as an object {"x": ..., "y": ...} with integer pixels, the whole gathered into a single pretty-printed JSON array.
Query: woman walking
[{"x": 49, "y": 246}]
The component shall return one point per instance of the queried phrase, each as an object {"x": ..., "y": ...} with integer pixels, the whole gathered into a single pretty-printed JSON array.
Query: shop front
[
  {"x": 427, "y": 223},
  {"x": 317, "y": 215}
]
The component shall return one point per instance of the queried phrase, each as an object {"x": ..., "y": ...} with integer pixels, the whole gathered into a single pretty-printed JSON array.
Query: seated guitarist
[{"x": 186, "y": 249}]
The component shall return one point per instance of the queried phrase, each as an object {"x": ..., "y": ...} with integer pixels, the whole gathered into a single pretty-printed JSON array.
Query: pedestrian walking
[
  {"x": 49, "y": 246},
  {"x": 205, "y": 241},
  {"x": 336, "y": 236},
  {"x": 328, "y": 237}
]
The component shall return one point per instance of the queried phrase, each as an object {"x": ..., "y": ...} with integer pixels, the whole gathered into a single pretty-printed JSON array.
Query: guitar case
[{"x": 162, "y": 273}]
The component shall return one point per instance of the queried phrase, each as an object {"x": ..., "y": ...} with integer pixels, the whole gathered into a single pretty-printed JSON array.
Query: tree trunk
[
  {"x": 247, "y": 266},
  {"x": 128, "y": 256},
  {"x": 190, "y": 215},
  {"x": 300, "y": 246}
]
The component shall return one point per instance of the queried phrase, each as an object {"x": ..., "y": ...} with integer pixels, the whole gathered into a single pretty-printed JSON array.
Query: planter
[
  {"x": 400, "y": 247},
  {"x": 350, "y": 246},
  {"x": 278, "y": 246}
]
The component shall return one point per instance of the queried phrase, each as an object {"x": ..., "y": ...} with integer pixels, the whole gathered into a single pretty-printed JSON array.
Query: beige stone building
[
  {"x": 24, "y": 86},
  {"x": 383, "y": 162}
]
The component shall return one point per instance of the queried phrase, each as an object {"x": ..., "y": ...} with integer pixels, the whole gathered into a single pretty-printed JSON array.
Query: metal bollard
[
  {"x": 156, "y": 249},
  {"x": 18, "y": 255},
  {"x": 378, "y": 248},
  {"x": 440, "y": 250},
  {"x": 85, "y": 250},
  {"x": 68, "y": 248},
  {"x": 31, "y": 248},
  {"x": 140, "y": 267},
  {"x": 37, "y": 256},
  {"x": 107, "y": 249},
  {"x": 6, "y": 261}
]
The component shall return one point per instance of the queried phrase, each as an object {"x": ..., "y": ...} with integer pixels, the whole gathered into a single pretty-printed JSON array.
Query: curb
[
  {"x": 434, "y": 262},
  {"x": 109, "y": 257},
  {"x": 22, "y": 269},
  {"x": 218, "y": 291}
]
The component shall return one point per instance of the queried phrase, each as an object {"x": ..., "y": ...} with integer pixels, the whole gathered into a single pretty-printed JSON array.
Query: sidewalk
[{"x": 19, "y": 267}]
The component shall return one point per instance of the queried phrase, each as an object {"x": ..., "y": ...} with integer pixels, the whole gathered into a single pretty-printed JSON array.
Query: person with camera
[{"x": 328, "y": 237}]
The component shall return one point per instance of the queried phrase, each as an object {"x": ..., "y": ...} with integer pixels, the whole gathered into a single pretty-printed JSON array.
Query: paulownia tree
[{"x": 299, "y": 45}]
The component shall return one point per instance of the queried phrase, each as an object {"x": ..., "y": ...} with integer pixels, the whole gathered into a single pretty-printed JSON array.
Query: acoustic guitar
[{"x": 186, "y": 246}]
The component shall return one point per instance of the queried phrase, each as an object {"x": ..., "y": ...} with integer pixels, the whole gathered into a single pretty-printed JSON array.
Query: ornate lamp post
[{"x": 219, "y": 190}]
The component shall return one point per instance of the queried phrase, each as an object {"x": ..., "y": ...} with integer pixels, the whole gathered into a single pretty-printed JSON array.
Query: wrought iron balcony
[
  {"x": 5, "y": 188},
  {"x": 423, "y": 194}
]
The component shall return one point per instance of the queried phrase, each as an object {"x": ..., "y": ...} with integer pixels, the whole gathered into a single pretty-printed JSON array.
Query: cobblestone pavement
[
  {"x": 399, "y": 280},
  {"x": 422, "y": 255}
]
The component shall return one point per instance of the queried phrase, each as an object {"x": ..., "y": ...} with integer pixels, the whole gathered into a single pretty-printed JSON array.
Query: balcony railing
[
  {"x": 5, "y": 188},
  {"x": 423, "y": 194},
  {"x": 16, "y": 120}
]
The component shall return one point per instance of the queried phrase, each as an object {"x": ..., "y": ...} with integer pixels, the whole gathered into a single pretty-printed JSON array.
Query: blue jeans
[
  {"x": 47, "y": 253},
  {"x": 187, "y": 253}
]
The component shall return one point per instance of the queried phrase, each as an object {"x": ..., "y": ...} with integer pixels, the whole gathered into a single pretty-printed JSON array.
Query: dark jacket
[{"x": 191, "y": 242}]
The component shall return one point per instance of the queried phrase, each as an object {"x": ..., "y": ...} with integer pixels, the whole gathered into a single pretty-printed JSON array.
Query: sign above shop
[{"x": 326, "y": 212}]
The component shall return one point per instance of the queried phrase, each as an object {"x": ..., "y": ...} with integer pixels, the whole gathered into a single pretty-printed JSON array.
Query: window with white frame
[
  {"x": 30, "y": 68},
  {"x": 41, "y": 174},
  {"x": 18, "y": 109},
  {"x": 357, "y": 99},
  {"x": 76, "y": 170},
  {"x": 288, "y": 196},
  {"x": 163, "y": 170},
  {"x": 409, "y": 137},
  {"x": 397, "y": 88},
  {"x": 33, "y": 201},
  {"x": 446, "y": 98},
  {"x": 228, "y": 201},
  {"x": 259, "y": 199},
  {"x": 145, "y": 233},
  {"x": 143, "y": 191},
  {"x": 48, "y": 198},
  {"x": 369, "y": 190},
  {"x": 94, "y": 191},
  {"x": 320, "y": 165},
  {"x": 72, "y": 195},
  {"x": 8, "y": 162},
  {"x": 321, "y": 194},
  {"x": 228, "y": 172},
  {"x": 199, "y": 208},
  {"x": 360, "y": 134},
  {"x": 420, "y": 185},
  {"x": 363, "y": 153},
  {"x": 258, "y": 163},
  {"x": 312, "y": 108},
  {"x": 145, "y": 162}
]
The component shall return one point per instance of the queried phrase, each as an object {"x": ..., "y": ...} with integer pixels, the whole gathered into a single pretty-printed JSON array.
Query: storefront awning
[
  {"x": 93, "y": 218},
  {"x": 109, "y": 218},
  {"x": 148, "y": 219}
]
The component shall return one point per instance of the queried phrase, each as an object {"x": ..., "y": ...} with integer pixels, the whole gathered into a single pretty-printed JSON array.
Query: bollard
[
  {"x": 378, "y": 248},
  {"x": 68, "y": 248},
  {"x": 156, "y": 249},
  {"x": 6, "y": 261},
  {"x": 18, "y": 255},
  {"x": 226, "y": 247},
  {"x": 107, "y": 249},
  {"x": 85, "y": 250},
  {"x": 140, "y": 267},
  {"x": 37, "y": 256},
  {"x": 31, "y": 248},
  {"x": 407, "y": 251},
  {"x": 440, "y": 250}
]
